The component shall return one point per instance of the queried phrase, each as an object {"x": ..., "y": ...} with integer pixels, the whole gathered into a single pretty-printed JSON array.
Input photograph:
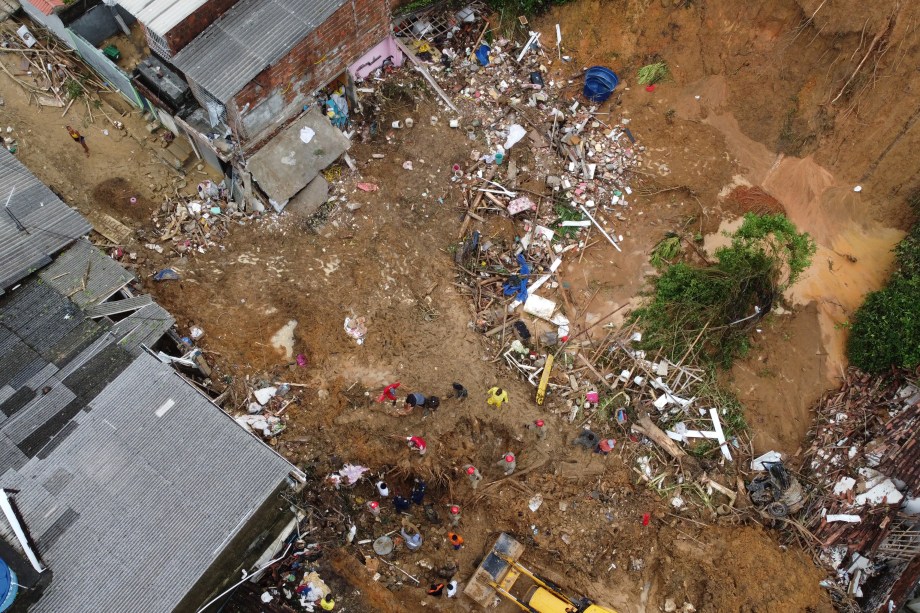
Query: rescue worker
[
  {"x": 452, "y": 588},
  {"x": 418, "y": 492},
  {"x": 508, "y": 463},
  {"x": 389, "y": 393},
  {"x": 383, "y": 489},
  {"x": 496, "y": 397},
  {"x": 460, "y": 392},
  {"x": 417, "y": 443},
  {"x": 473, "y": 474},
  {"x": 435, "y": 589},
  {"x": 454, "y": 515},
  {"x": 327, "y": 603},
  {"x": 413, "y": 400},
  {"x": 455, "y": 539}
]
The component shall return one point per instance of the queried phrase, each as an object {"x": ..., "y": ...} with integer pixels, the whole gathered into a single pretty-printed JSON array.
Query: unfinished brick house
[
  {"x": 259, "y": 62},
  {"x": 169, "y": 25}
]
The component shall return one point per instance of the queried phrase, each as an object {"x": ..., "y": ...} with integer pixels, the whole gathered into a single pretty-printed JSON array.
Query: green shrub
[
  {"x": 885, "y": 331},
  {"x": 706, "y": 312}
]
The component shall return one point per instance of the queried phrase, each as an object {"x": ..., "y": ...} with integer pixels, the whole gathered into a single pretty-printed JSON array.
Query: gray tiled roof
[
  {"x": 131, "y": 483},
  {"x": 247, "y": 39},
  {"x": 86, "y": 275},
  {"x": 34, "y": 223}
]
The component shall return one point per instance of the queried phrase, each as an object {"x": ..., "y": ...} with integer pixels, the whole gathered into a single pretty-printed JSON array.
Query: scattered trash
[
  {"x": 265, "y": 394},
  {"x": 195, "y": 332},
  {"x": 356, "y": 329},
  {"x": 167, "y": 274},
  {"x": 349, "y": 474},
  {"x": 306, "y": 134},
  {"x": 367, "y": 187},
  {"x": 535, "y": 502},
  {"x": 407, "y": 165}
]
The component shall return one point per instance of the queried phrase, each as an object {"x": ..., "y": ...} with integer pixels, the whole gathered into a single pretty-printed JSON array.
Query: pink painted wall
[{"x": 382, "y": 51}]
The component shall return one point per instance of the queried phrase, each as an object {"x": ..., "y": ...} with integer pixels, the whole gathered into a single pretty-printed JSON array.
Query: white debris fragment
[{"x": 265, "y": 394}]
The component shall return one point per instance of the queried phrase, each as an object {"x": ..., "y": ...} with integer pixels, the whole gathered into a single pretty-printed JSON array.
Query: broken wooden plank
[{"x": 419, "y": 66}]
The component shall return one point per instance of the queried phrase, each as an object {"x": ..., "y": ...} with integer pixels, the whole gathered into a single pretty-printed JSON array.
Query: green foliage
[
  {"x": 885, "y": 331},
  {"x": 566, "y": 213},
  {"x": 73, "y": 89},
  {"x": 706, "y": 312},
  {"x": 907, "y": 253},
  {"x": 655, "y": 72},
  {"x": 886, "y": 328},
  {"x": 665, "y": 251}
]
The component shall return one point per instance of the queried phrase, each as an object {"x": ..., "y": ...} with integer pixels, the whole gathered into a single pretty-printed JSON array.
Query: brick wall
[
  {"x": 281, "y": 88},
  {"x": 193, "y": 25}
]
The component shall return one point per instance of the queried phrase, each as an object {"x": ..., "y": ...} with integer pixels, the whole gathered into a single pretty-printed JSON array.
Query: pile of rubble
[
  {"x": 568, "y": 190},
  {"x": 196, "y": 224},
  {"x": 865, "y": 460}
]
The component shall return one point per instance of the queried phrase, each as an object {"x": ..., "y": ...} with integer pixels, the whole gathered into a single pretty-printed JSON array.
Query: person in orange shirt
[{"x": 455, "y": 539}]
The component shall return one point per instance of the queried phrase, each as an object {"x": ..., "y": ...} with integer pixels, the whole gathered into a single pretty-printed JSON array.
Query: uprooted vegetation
[{"x": 705, "y": 313}]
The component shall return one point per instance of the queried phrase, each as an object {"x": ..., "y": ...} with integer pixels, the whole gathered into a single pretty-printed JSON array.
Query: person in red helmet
[
  {"x": 508, "y": 463},
  {"x": 417, "y": 443},
  {"x": 473, "y": 474},
  {"x": 539, "y": 426},
  {"x": 454, "y": 512}
]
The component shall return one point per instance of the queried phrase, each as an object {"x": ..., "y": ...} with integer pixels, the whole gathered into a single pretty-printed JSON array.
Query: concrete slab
[
  {"x": 308, "y": 200},
  {"x": 286, "y": 164}
]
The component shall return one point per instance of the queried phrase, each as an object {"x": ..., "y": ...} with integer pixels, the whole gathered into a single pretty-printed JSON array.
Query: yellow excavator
[{"x": 498, "y": 573}]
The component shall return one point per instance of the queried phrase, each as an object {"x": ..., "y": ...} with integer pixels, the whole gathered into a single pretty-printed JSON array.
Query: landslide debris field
[{"x": 781, "y": 106}]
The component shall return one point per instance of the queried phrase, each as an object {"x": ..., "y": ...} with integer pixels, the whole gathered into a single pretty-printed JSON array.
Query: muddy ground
[{"x": 750, "y": 105}]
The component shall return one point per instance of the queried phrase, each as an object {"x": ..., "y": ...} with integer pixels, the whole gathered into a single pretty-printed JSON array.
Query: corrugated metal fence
[{"x": 104, "y": 66}]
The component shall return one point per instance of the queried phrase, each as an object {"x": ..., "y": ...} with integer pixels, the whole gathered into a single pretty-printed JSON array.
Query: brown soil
[{"x": 748, "y": 82}]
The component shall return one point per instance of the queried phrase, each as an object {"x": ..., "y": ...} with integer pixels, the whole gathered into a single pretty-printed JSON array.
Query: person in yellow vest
[
  {"x": 497, "y": 396},
  {"x": 327, "y": 603}
]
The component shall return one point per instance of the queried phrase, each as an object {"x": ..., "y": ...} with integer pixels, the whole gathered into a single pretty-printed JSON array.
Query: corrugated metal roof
[
  {"x": 144, "y": 327},
  {"x": 161, "y": 16},
  {"x": 247, "y": 39},
  {"x": 34, "y": 223},
  {"x": 126, "y": 505},
  {"x": 86, "y": 275}
]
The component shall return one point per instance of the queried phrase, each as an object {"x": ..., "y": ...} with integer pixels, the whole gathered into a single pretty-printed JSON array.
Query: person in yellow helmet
[
  {"x": 327, "y": 603},
  {"x": 497, "y": 396}
]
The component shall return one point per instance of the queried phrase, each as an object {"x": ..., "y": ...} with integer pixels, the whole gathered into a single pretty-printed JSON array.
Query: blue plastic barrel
[
  {"x": 8, "y": 586},
  {"x": 599, "y": 83}
]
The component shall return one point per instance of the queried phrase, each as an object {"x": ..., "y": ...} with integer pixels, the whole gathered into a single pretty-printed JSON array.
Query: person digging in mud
[
  {"x": 431, "y": 405},
  {"x": 413, "y": 400},
  {"x": 418, "y": 492},
  {"x": 78, "y": 138},
  {"x": 417, "y": 443},
  {"x": 389, "y": 393},
  {"x": 508, "y": 463},
  {"x": 538, "y": 426},
  {"x": 435, "y": 589},
  {"x": 401, "y": 503},
  {"x": 473, "y": 474},
  {"x": 460, "y": 392}
]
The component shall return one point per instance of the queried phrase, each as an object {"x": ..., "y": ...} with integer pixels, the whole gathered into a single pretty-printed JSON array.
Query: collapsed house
[
  {"x": 120, "y": 482},
  {"x": 865, "y": 459}
]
